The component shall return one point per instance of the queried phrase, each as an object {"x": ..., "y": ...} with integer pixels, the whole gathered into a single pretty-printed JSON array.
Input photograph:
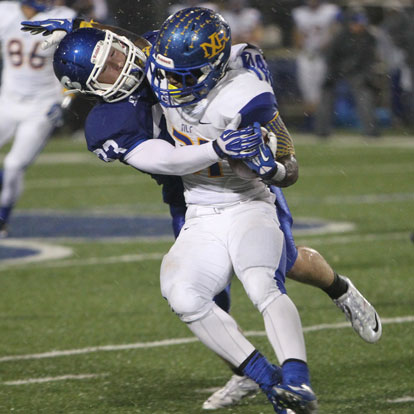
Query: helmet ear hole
[{"x": 193, "y": 45}]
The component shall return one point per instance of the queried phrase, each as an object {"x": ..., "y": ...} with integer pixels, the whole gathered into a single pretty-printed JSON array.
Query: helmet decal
[{"x": 217, "y": 44}]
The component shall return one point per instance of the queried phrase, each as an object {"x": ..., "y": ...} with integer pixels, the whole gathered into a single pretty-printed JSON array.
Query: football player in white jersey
[
  {"x": 314, "y": 23},
  {"x": 231, "y": 224},
  {"x": 30, "y": 95}
]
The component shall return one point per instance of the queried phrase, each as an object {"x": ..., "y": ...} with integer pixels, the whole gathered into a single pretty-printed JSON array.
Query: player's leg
[
  {"x": 310, "y": 72},
  {"x": 8, "y": 125},
  {"x": 31, "y": 135},
  {"x": 195, "y": 269},
  {"x": 311, "y": 268},
  {"x": 306, "y": 265},
  {"x": 257, "y": 248},
  {"x": 240, "y": 386},
  {"x": 172, "y": 192},
  {"x": 364, "y": 97}
]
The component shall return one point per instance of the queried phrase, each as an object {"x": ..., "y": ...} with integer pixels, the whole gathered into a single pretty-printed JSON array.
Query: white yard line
[
  {"x": 50, "y": 183},
  {"x": 56, "y": 252},
  {"x": 354, "y": 140},
  {"x": 401, "y": 400},
  {"x": 52, "y": 379},
  {"x": 128, "y": 179},
  {"x": 75, "y": 157},
  {"x": 178, "y": 341},
  {"x": 352, "y": 199}
]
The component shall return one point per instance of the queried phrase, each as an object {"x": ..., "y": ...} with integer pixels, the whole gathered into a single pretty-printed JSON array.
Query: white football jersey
[
  {"x": 27, "y": 69},
  {"x": 242, "y": 23},
  {"x": 218, "y": 185},
  {"x": 315, "y": 24}
]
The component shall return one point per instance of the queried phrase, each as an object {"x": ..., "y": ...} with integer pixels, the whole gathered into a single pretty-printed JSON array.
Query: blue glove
[
  {"x": 263, "y": 164},
  {"x": 48, "y": 26},
  {"x": 239, "y": 143}
]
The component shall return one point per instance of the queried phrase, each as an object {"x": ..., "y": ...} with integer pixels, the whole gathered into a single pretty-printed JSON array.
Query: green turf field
[{"x": 90, "y": 333}]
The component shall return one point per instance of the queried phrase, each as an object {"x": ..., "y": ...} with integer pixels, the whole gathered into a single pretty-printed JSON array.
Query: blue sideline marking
[{"x": 46, "y": 225}]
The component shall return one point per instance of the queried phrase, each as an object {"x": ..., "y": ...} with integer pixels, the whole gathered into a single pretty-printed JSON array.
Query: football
[{"x": 241, "y": 169}]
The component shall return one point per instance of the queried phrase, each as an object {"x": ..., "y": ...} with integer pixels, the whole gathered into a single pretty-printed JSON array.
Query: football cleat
[
  {"x": 360, "y": 313},
  {"x": 293, "y": 399},
  {"x": 234, "y": 391}
]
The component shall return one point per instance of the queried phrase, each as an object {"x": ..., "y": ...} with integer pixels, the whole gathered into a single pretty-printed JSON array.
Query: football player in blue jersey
[{"x": 305, "y": 265}]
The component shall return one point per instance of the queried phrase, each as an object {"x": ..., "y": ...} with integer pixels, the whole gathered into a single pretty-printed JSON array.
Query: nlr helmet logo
[{"x": 217, "y": 44}]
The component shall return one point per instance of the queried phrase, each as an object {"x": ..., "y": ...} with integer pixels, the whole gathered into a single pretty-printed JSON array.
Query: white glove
[{"x": 53, "y": 39}]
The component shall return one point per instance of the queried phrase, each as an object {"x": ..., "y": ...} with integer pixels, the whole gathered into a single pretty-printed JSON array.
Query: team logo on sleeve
[{"x": 218, "y": 41}]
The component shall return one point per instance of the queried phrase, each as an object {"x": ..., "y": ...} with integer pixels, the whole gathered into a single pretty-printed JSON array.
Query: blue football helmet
[
  {"x": 189, "y": 56},
  {"x": 81, "y": 55},
  {"x": 39, "y": 5}
]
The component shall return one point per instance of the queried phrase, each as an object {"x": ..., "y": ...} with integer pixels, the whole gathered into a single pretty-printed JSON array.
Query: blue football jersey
[{"x": 114, "y": 129}]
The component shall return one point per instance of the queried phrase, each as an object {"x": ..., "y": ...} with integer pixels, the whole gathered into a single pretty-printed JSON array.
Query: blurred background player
[
  {"x": 396, "y": 44},
  {"x": 176, "y": 6},
  {"x": 93, "y": 9},
  {"x": 30, "y": 95},
  {"x": 314, "y": 24},
  {"x": 246, "y": 22},
  {"x": 351, "y": 58}
]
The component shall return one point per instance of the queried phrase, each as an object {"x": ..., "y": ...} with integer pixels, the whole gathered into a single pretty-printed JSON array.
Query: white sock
[
  {"x": 284, "y": 329},
  {"x": 219, "y": 332}
]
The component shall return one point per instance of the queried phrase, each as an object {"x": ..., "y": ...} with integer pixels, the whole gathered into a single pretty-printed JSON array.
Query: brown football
[{"x": 241, "y": 169}]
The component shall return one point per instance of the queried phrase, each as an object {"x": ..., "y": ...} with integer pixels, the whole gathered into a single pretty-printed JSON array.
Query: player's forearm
[
  {"x": 156, "y": 156},
  {"x": 287, "y": 172}
]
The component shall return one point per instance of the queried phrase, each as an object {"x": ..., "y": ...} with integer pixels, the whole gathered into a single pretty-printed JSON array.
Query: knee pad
[
  {"x": 187, "y": 303},
  {"x": 184, "y": 297},
  {"x": 260, "y": 286}
]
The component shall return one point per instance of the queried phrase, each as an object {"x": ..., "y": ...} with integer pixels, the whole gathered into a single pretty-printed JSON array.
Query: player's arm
[
  {"x": 278, "y": 166},
  {"x": 157, "y": 156},
  {"x": 284, "y": 153},
  {"x": 56, "y": 29}
]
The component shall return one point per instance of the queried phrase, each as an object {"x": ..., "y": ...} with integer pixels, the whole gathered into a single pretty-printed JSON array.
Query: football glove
[
  {"x": 263, "y": 164},
  {"x": 56, "y": 29},
  {"x": 239, "y": 143},
  {"x": 48, "y": 26}
]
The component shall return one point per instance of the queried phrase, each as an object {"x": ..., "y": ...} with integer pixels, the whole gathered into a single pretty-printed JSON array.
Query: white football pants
[
  {"x": 30, "y": 126},
  {"x": 311, "y": 73},
  {"x": 213, "y": 242}
]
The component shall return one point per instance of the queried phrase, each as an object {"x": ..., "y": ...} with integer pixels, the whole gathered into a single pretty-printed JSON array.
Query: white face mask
[{"x": 131, "y": 76}]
